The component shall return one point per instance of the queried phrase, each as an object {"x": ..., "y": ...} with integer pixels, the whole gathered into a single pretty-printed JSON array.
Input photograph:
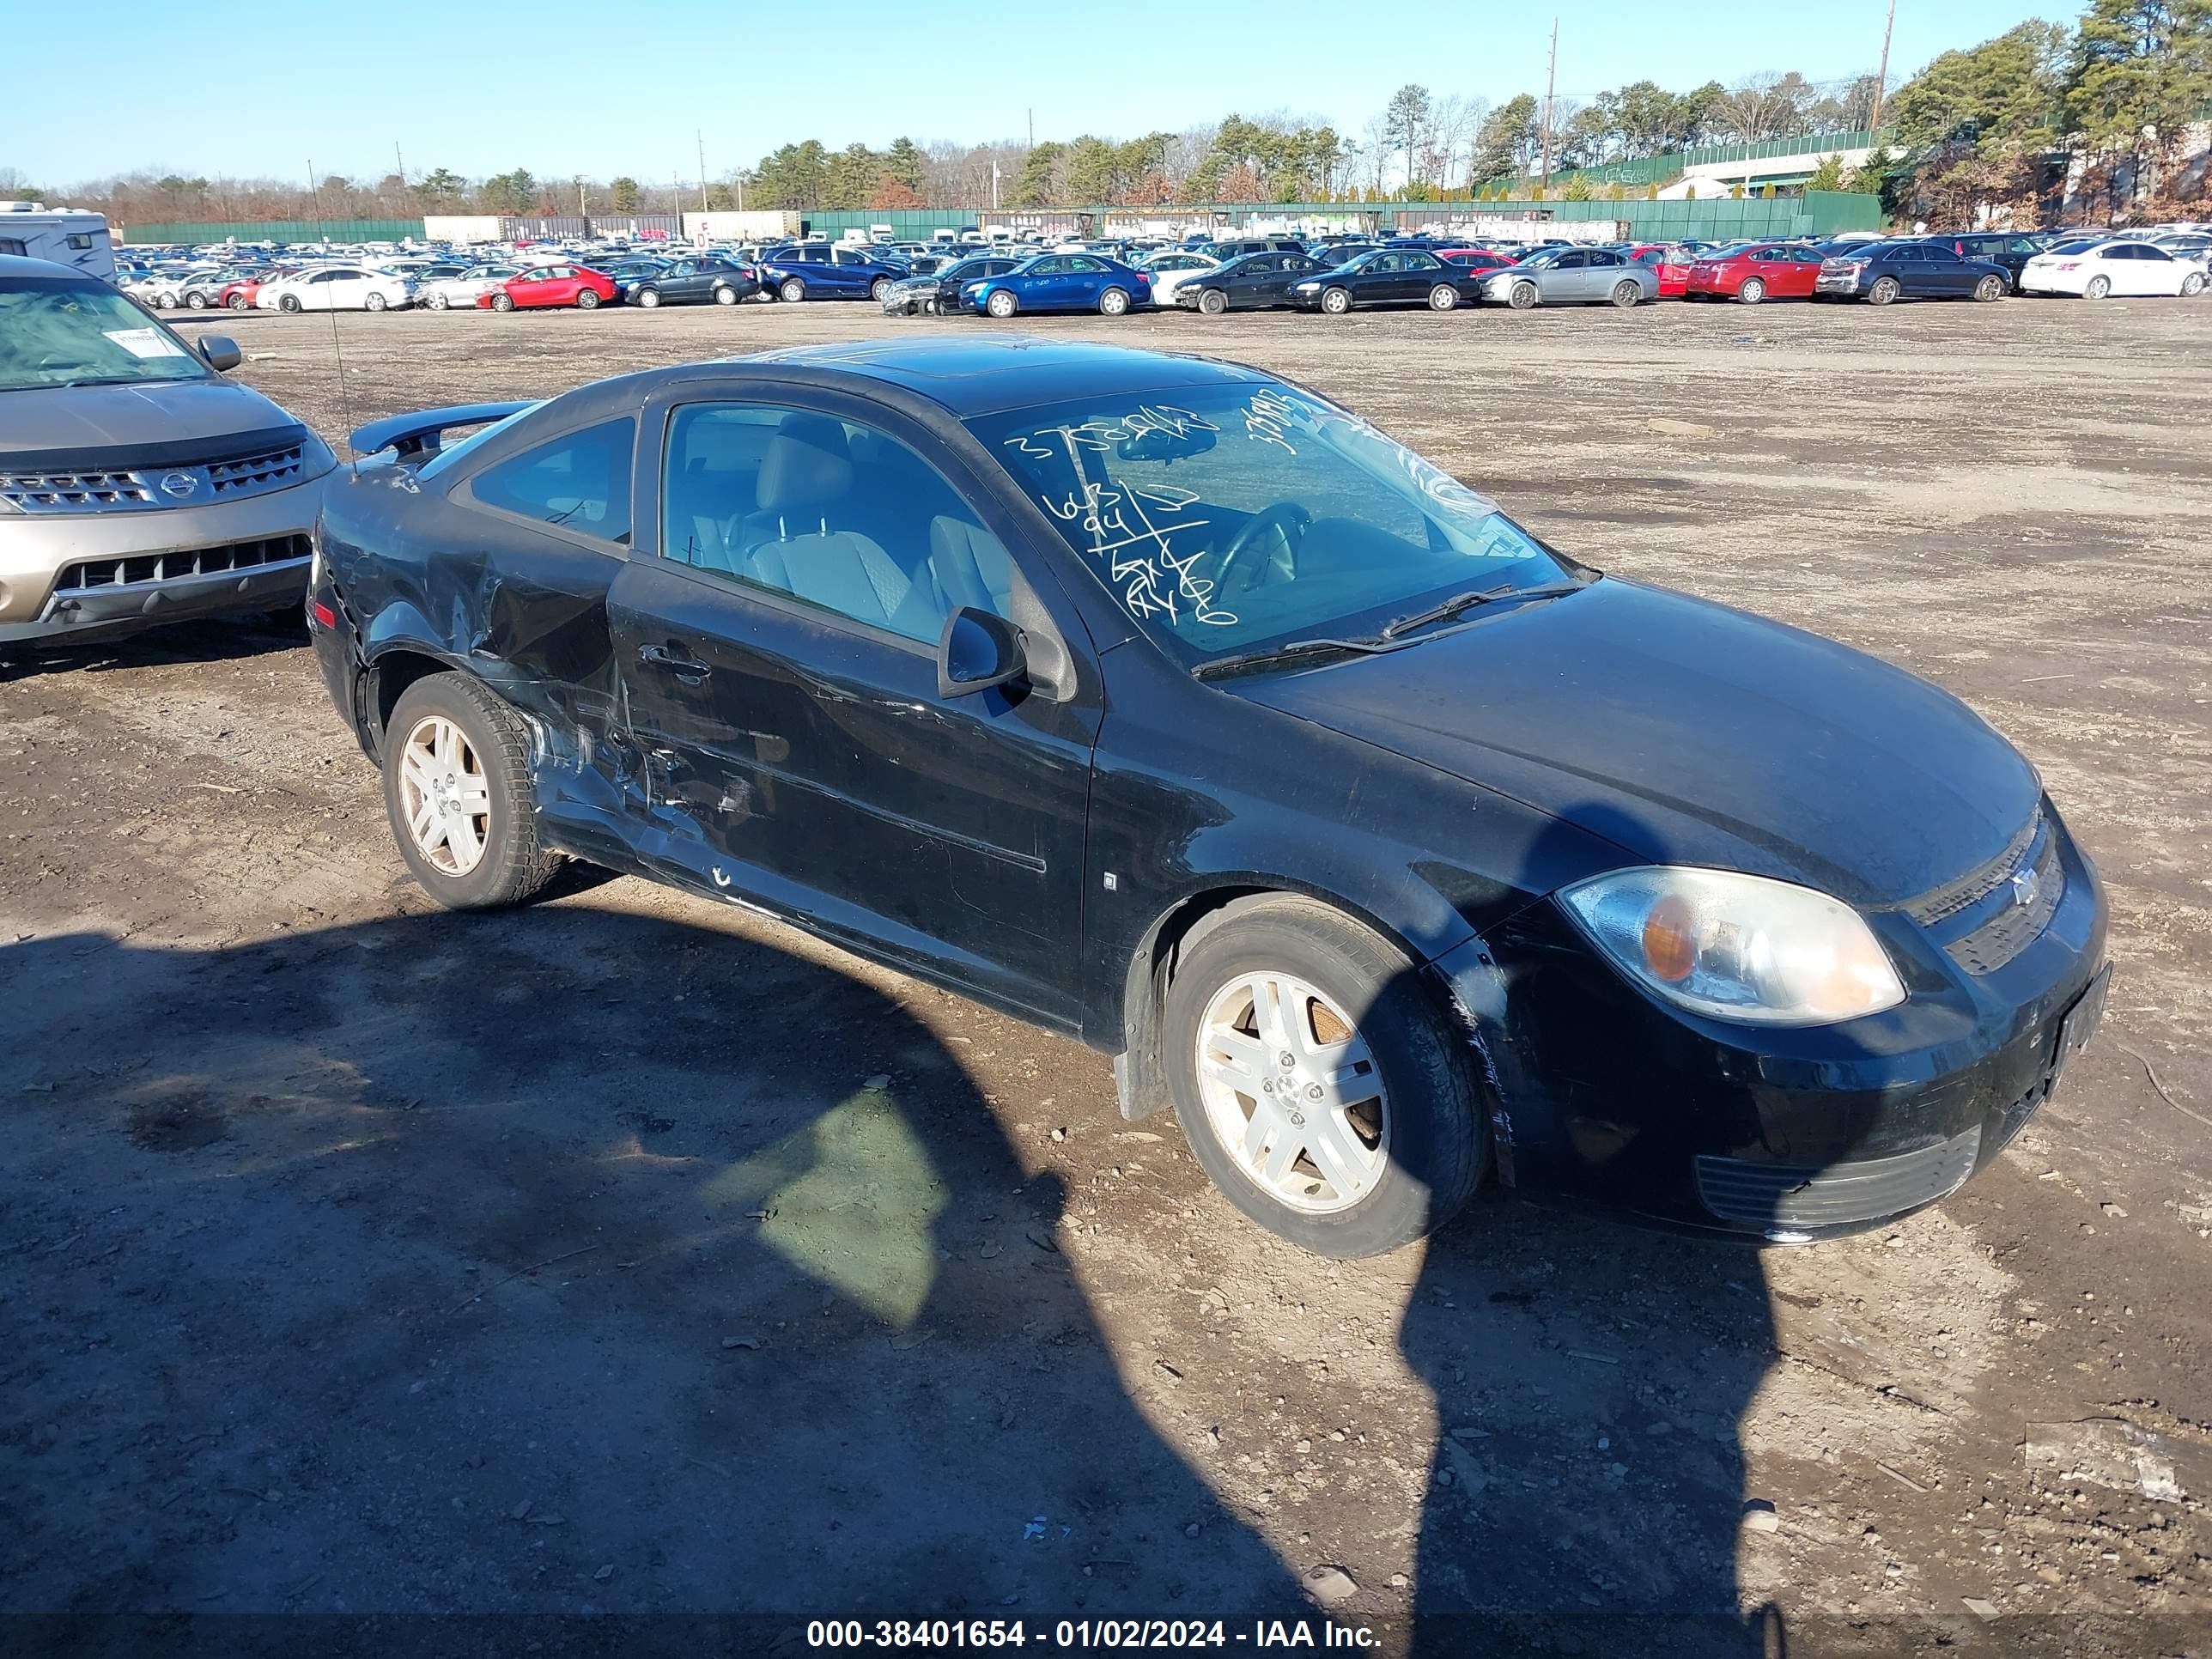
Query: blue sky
[{"x": 561, "y": 85}]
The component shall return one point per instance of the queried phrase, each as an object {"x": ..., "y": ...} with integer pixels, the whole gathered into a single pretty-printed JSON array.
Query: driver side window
[{"x": 831, "y": 511}]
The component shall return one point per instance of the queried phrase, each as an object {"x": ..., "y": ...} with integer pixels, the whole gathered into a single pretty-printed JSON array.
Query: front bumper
[
  {"x": 102, "y": 574},
  {"x": 1603, "y": 1097}
]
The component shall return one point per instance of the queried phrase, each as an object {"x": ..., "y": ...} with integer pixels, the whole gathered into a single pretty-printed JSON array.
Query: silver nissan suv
[{"x": 137, "y": 485}]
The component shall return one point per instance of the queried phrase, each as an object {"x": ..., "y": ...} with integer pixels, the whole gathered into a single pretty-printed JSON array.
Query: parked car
[
  {"x": 1572, "y": 275},
  {"x": 1480, "y": 260},
  {"x": 824, "y": 270},
  {"x": 1168, "y": 283},
  {"x": 1881, "y": 272},
  {"x": 2093, "y": 270},
  {"x": 939, "y": 291},
  {"x": 448, "y": 293},
  {"x": 539, "y": 287},
  {"x": 1387, "y": 277},
  {"x": 137, "y": 485},
  {"x": 1059, "y": 282},
  {"x": 2011, "y": 249},
  {"x": 1669, "y": 263},
  {"x": 626, "y": 273},
  {"x": 1236, "y": 247},
  {"x": 1252, "y": 282},
  {"x": 1756, "y": 273},
  {"x": 1688, "y": 913},
  {"x": 336, "y": 288},
  {"x": 701, "y": 280}
]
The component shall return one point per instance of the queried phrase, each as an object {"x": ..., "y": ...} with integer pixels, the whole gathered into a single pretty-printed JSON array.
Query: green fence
[{"x": 278, "y": 230}]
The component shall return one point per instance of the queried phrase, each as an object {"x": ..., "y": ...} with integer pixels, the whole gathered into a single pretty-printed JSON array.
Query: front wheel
[
  {"x": 1884, "y": 291},
  {"x": 1753, "y": 291},
  {"x": 239, "y": 302},
  {"x": 1113, "y": 302},
  {"x": 1336, "y": 302},
  {"x": 649, "y": 298},
  {"x": 457, "y": 790},
  {"x": 1523, "y": 296},
  {"x": 792, "y": 292},
  {"x": 197, "y": 301},
  {"x": 1627, "y": 294},
  {"x": 1001, "y": 303},
  {"x": 1318, "y": 1081},
  {"x": 2192, "y": 285},
  {"x": 2098, "y": 287},
  {"x": 1443, "y": 297},
  {"x": 588, "y": 299},
  {"x": 1989, "y": 288},
  {"x": 288, "y": 302},
  {"x": 1213, "y": 303},
  {"x": 503, "y": 302},
  {"x": 164, "y": 302}
]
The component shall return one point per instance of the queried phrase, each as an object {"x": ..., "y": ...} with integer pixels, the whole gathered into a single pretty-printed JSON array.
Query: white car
[
  {"x": 1172, "y": 270},
  {"x": 336, "y": 288},
  {"x": 461, "y": 293},
  {"x": 2096, "y": 267}
]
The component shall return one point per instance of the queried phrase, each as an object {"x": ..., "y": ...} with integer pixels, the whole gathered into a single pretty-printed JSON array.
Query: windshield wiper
[
  {"x": 1236, "y": 660},
  {"x": 1467, "y": 601}
]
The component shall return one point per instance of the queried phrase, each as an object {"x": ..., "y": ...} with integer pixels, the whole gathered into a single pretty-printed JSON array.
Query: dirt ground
[{"x": 626, "y": 1255}]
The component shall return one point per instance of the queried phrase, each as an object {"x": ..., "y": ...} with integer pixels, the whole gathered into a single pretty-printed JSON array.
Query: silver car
[
  {"x": 1572, "y": 275},
  {"x": 137, "y": 486}
]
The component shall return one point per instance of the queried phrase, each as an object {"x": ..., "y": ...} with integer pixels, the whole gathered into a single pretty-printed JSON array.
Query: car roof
[{"x": 986, "y": 374}]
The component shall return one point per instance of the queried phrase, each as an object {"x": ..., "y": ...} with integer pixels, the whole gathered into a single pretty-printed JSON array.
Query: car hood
[
  {"x": 45, "y": 420},
  {"x": 1688, "y": 732}
]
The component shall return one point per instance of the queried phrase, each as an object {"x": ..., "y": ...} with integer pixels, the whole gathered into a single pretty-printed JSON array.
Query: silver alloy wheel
[
  {"x": 1442, "y": 297},
  {"x": 374, "y": 302},
  {"x": 792, "y": 292},
  {"x": 1113, "y": 302},
  {"x": 446, "y": 796},
  {"x": 1336, "y": 302},
  {"x": 2097, "y": 287},
  {"x": 647, "y": 298},
  {"x": 1000, "y": 304},
  {"x": 1753, "y": 291},
  {"x": 438, "y": 300},
  {"x": 1292, "y": 1094},
  {"x": 1523, "y": 297}
]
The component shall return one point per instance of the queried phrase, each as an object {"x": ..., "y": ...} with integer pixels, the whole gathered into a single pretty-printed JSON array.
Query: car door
[
  {"x": 2155, "y": 272},
  {"x": 1089, "y": 277},
  {"x": 1568, "y": 278},
  {"x": 1605, "y": 267},
  {"x": 1792, "y": 271},
  {"x": 776, "y": 640},
  {"x": 1290, "y": 267},
  {"x": 1938, "y": 272},
  {"x": 1247, "y": 281}
]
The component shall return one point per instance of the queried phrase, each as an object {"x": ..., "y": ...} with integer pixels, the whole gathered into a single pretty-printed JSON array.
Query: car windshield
[
  {"x": 65, "y": 330},
  {"x": 1228, "y": 517}
]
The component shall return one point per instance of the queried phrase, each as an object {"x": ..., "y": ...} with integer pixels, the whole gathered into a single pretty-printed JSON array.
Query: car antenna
[{"x": 345, "y": 399}]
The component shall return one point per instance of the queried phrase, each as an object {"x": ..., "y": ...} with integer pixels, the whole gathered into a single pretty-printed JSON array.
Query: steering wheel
[{"x": 1287, "y": 519}]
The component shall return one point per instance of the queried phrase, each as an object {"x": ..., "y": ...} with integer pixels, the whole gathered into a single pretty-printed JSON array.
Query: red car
[
  {"x": 551, "y": 285},
  {"x": 239, "y": 296},
  {"x": 1669, "y": 263},
  {"x": 1762, "y": 271},
  {"x": 1479, "y": 261}
]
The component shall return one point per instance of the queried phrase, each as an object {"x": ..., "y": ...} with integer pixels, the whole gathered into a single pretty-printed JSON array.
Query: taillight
[
  {"x": 324, "y": 616},
  {"x": 2067, "y": 264}
]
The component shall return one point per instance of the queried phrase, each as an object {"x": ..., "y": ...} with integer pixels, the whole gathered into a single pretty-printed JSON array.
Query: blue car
[
  {"x": 822, "y": 271},
  {"x": 1061, "y": 281}
]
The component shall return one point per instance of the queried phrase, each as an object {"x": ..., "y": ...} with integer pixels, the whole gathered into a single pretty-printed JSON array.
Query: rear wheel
[
  {"x": 879, "y": 287},
  {"x": 1001, "y": 303},
  {"x": 792, "y": 292},
  {"x": 438, "y": 300},
  {"x": 588, "y": 299},
  {"x": 1443, "y": 297},
  {"x": 1213, "y": 303},
  {"x": 375, "y": 303},
  {"x": 1336, "y": 302},
  {"x": 1753, "y": 291},
  {"x": 1318, "y": 1081},
  {"x": 1884, "y": 291},
  {"x": 456, "y": 789},
  {"x": 1523, "y": 297},
  {"x": 2097, "y": 287},
  {"x": 1626, "y": 293},
  {"x": 1989, "y": 288},
  {"x": 1113, "y": 302}
]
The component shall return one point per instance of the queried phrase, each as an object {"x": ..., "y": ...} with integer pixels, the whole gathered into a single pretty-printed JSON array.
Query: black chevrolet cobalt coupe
[{"x": 1165, "y": 703}]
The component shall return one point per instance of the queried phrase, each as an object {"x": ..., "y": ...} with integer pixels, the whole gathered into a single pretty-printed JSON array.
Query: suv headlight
[{"x": 1737, "y": 947}]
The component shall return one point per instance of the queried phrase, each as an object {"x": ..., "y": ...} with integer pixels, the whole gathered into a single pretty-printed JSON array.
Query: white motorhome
[{"x": 66, "y": 236}]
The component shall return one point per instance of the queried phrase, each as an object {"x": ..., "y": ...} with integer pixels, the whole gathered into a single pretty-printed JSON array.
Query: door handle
[{"x": 687, "y": 668}]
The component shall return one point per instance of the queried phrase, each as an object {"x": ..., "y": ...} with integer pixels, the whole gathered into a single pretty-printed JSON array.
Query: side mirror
[
  {"x": 219, "y": 352},
  {"x": 978, "y": 650}
]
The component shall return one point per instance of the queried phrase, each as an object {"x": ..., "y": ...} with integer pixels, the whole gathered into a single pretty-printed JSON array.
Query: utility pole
[
  {"x": 1033, "y": 128},
  {"x": 1881, "y": 75},
  {"x": 703, "y": 173},
  {"x": 1551, "y": 85},
  {"x": 579, "y": 182},
  {"x": 398, "y": 163}
]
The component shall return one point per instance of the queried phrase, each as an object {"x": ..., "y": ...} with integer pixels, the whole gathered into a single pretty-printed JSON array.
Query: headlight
[{"x": 1737, "y": 947}]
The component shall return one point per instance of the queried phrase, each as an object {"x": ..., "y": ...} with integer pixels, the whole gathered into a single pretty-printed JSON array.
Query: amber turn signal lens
[{"x": 1669, "y": 950}]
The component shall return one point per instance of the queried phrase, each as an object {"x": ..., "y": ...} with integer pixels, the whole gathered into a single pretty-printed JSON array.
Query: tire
[
  {"x": 588, "y": 299},
  {"x": 2192, "y": 285},
  {"x": 1113, "y": 302},
  {"x": 1627, "y": 296},
  {"x": 1212, "y": 301},
  {"x": 1989, "y": 288},
  {"x": 1422, "y": 1120},
  {"x": 878, "y": 288},
  {"x": 1884, "y": 291},
  {"x": 2097, "y": 287},
  {"x": 649, "y": 298},
  {"x": 1523, "y": 296},
  {"x": 438, "y": 301},
  {"x": 510, "y": 864},
  {"x": 792, "y": 292},
  {"x": 1001, "y": 303},
  {"x": 197, "y": 301},
  {"x": 503, "y": 302},
  {"x": 1336, "y": 302},
  {"x": 165, "y": 302},
  {"x": 239, "y": 302},
  {"x": 374, "y": 302},
  {"x": 1753, "y": 291},
  {"x": 1443, "y": 297},
  {"x": 288, "y": 302},
  {"x": 723, "y": 296}
]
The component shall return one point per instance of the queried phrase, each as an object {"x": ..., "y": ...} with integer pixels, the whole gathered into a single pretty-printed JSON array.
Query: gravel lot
[{"x": 625, "y": 1255}]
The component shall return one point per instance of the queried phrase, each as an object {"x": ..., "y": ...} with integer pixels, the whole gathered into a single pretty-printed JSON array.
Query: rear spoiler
[{"x": 415, "y": 434}]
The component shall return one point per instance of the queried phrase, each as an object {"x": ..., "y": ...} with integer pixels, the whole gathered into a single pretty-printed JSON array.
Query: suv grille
[
  {"x": 145, "y": 569},
  {"x": 144, "y": 487}
]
